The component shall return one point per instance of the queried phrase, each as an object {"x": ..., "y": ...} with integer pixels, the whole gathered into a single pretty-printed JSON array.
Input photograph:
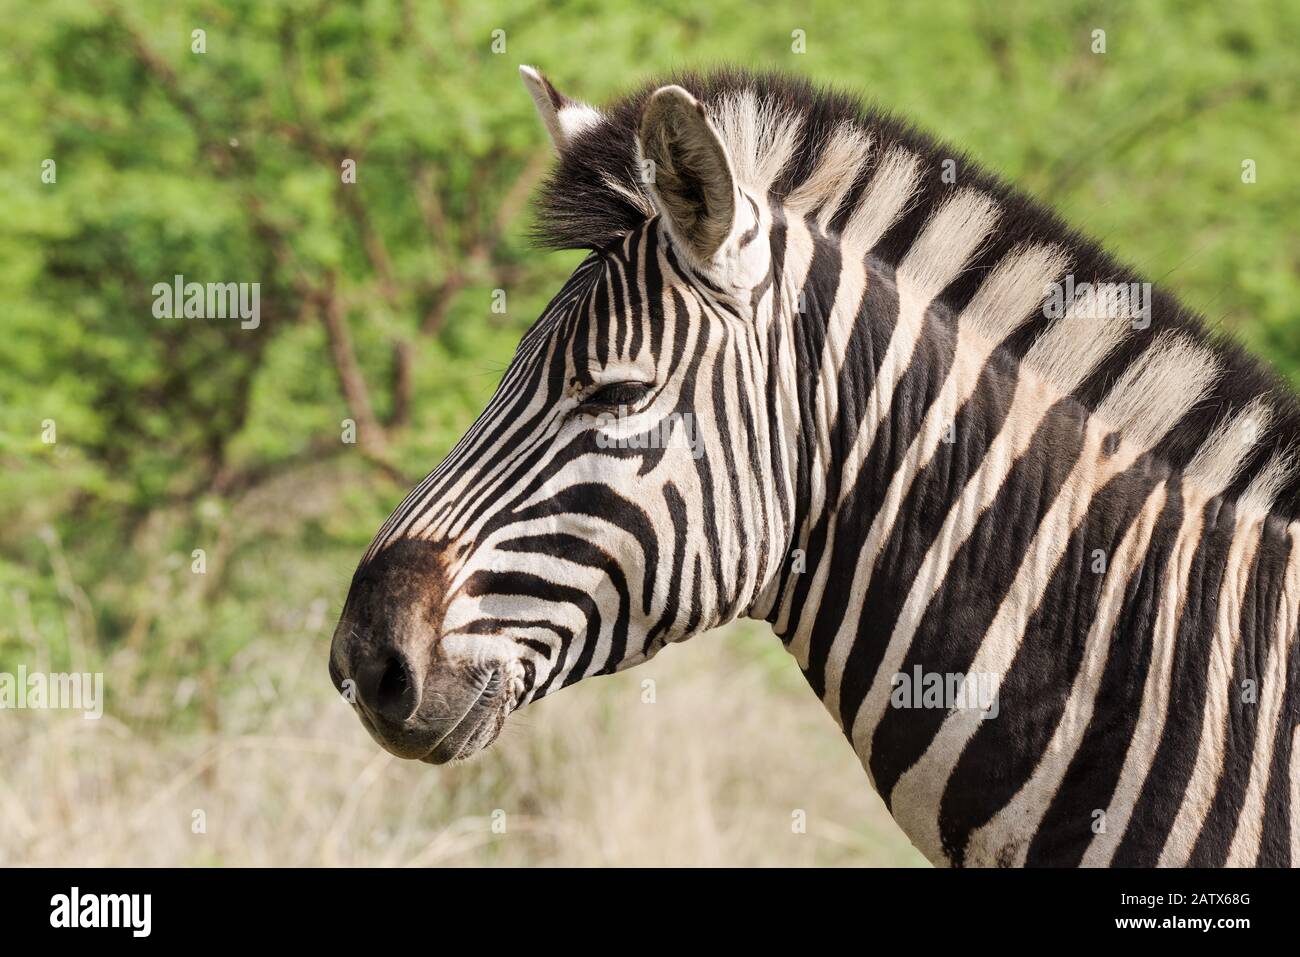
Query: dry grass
[{"x": 711, "y": 773}]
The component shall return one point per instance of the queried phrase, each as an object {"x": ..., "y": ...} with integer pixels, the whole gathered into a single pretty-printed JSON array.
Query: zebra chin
[{"x": 421, "y": 694}]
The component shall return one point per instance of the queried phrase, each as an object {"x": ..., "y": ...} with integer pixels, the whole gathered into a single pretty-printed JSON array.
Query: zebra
[{"x": 806, "y": 374}]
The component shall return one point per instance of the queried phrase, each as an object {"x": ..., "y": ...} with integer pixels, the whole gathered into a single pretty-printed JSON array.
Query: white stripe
[
  {"x": 1013, "y": 291},
  {"x": 1002, "y": 303},
  {"x": 1158, "y": 389},
  {"x": 1220, "y": 457},
  {"x": 935, "y": 258},
  {"x": 843, "y": 156},
  {"x": 1021, "y": 816},
  {"x": 975, "y": 498},
  {"x": 949, "y": 239},
  {"x": 760, "y": 137},
  {"x": 1219, "y": 692},
  {"x": 1245, "y": 847},
  {"x": 1157, "y": 688},
  {"x": 916, "y": 796},
  {"x": 883, "y": 200},
  {"x": 1295, "y": 796},
  {"x": 1032, "y": 399}
]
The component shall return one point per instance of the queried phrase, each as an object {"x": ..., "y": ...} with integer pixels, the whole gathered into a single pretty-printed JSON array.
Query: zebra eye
[{"x": 616, "y": 394}]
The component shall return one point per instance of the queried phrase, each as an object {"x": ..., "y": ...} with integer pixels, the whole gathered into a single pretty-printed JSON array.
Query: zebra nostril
[{"x": 386, "y": 686}]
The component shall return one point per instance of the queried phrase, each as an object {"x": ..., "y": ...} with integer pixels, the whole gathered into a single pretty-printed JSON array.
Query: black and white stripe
[{"x": 907, "y": 463}]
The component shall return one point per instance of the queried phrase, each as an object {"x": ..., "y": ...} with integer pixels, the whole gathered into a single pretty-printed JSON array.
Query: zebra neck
[
  {"x": 955, "y": 517},
  {"x": 867, "y": 367}
]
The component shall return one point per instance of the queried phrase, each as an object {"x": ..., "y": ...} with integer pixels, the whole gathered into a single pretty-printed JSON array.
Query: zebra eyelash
[{"x": 614, "y": 395}]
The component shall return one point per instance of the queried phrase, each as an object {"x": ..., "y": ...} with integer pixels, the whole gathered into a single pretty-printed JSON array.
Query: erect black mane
[{"x": 579, "y": 209}]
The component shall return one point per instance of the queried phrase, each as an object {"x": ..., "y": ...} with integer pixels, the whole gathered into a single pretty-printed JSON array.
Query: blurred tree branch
[
  {"x": 480, "y": 253},
  {"x": 328, "y": 295}
]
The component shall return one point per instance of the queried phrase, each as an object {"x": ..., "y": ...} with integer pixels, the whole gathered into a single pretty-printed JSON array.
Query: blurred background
[{"x": 179, "y": 508}]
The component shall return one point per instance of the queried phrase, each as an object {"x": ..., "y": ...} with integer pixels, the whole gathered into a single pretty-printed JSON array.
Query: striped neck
[{"x": 956, "y": 514}]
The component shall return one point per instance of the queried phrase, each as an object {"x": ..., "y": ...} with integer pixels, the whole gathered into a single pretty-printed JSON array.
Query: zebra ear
[
  {"x": 688, "y": 172},
  {"x": 563, "y": 118}
]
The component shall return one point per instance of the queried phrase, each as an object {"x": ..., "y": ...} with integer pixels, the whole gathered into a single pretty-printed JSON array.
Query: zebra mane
[{"x": 825, "y": 153}]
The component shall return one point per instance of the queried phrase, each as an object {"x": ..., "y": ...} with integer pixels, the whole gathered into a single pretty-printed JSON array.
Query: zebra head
[{"x": 623, "y": 489}]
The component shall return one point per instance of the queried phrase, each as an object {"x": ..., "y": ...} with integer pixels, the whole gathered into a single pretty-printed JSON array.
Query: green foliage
[{"x": 226, "y": 166}]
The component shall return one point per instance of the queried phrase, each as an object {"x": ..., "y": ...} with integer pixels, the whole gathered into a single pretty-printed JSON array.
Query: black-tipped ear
[
  {"x": 688, "y": 171},
  {"x": 563, "y": 118}
]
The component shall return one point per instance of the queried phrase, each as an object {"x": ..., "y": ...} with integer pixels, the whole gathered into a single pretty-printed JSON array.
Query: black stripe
[
  {"x": 1003, "y": 753},
  {"x": 808, "y": 336},
  {"x": 1162, "y": 793},
  {"x": 954, "y": 624},
  {"x": 1256, "y": 627},
  {"x": 1089, "y": 782},
  {"x": 1275, "y": 847},
  {"x": 867, "y": 345}
]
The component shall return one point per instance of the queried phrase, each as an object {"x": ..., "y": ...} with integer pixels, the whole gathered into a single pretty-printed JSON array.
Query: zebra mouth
[
  {"x": 477, "y": 728},
  {"x": 439, "y": 739}
]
